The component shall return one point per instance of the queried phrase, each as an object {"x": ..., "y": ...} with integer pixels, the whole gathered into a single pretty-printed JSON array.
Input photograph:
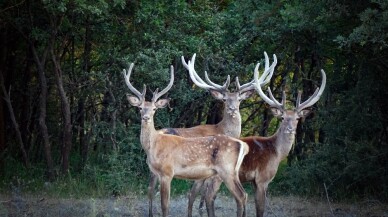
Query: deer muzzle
[
  {"x": 146, "y": 118},
  {"x": 232, "y": 111},
  {"x": 290, "y": 130}
]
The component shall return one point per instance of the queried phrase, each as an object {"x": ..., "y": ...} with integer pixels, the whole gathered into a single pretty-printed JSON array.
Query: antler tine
[
  {"x": 264, "y": 78},
  {"x": 217, "y": 86},
  {"x": 256, "y": 72},
  {"x": 299, "y": 98},
  {"x": 198, "y": 80},
  {"x": 127, "y": 76},
  {"x": 245, "y": 87},
  {"x": 238, "y": 84},
  {"x": 193, "y": 74},
  {"x": 158, "y": 95},
  {"x": 277, "y": 103},
  {"x": 268, "y": 70},
  {"x": 266, "y": 67},
  {"x": 272, "y": 102},
  {"x": 188, "y": 65},
  {"x": 315, "y": 97}
]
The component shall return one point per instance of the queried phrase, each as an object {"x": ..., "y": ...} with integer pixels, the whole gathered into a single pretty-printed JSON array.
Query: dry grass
[{"x": 133, "y": 205}]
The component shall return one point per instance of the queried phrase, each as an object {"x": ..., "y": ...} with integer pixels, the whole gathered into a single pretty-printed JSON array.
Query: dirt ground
[{"x": 128, "y": 206}]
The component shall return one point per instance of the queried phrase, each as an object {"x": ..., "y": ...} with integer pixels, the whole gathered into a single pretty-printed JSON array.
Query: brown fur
[
  {"x": 197, "y": 131},
  {"x": 261, "y": 152}
]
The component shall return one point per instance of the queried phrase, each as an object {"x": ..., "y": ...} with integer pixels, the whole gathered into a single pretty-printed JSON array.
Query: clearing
[{"x": 132, "y": 205}]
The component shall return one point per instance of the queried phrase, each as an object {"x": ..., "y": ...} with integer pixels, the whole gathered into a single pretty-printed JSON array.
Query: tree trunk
[
  {"x": 14, "y": 122},
  {"x": 184, "y": 115},
  {"x": 43, "y": 110},
  {"x": 84, "y": 144},
  {"x": 215, "y": 113},
  {"x": 113, "y": 115},
  {"x": 26, "y": 108},
  {"x": 265, "y": 123},
  {"x": 66, "y": 114},
  {"x": 199, "y": 114},
  {"x": 81, "y": 131}
]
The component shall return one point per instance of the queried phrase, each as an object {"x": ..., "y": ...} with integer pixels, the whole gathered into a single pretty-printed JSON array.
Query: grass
[
  {"x": 179, "y": 186},
  {"x": 93, "y": 181}
]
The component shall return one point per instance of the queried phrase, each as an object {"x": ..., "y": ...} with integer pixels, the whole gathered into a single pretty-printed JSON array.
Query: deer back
[{"x": 196, "y": 158}]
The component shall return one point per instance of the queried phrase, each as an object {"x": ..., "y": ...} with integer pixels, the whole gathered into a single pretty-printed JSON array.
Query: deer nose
[
  {"x": 290, "y": 130},
  {"x": 146, "y": 117},
  {"x": 232, "y": 108}
]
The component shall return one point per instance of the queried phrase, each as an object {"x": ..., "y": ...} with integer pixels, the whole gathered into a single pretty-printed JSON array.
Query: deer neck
[
  {"x": 283, "y": 141},
  {"x": 147, "y": 135},
  {"x": 230, "y": 126}
]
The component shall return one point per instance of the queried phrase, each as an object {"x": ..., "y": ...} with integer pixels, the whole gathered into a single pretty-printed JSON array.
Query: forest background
[{"x": 65, "y": 121}]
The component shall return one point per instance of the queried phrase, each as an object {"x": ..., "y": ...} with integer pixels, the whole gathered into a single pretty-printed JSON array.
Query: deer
[
  {"x": 231, "y": 122},
  {"x": 170, "y": 156},
  {"x": 260, "y": 165}
]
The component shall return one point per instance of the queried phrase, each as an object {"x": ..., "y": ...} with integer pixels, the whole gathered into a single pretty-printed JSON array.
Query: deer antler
[
  {"x": 268, "y": 70},
  {"x": 158, "y": 95},
  {"x": 313, "y": 98},
  {"x": 127, "y": 76},
  {"x": 299, "y": 106},
  {"x": 201, "y": 83},
  {"x": 264, "y": 79},
  {"x": 245, "y": 87}
]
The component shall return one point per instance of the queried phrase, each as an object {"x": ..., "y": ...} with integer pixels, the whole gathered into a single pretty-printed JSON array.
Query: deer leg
[
  {"x": 202, "y": 201},
  {"x": 151, "y": 189},
  {"x": 203, "y": 196},
  {"x": 212, "y": 185},
  {"x": 192, "y": 194},
  {"x": 165, "y": 186},
  {"x": 260, "y": 199},
  {"x": 235, "y": 187}
]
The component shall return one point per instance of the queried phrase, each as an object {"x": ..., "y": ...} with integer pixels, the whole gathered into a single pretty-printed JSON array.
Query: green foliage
[
  {"x": 373, "y": 20},
  {"x": 349, "y": 173},
  {"x": 179, "y": 186},
  {"x": 111, "y": 174},
  {"x": 16, "y": 177},
  {"x": 343, "y": 143}
]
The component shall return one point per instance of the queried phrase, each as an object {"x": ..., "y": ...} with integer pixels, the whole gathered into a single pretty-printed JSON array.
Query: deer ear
[
  {"x": 162, "y": 103},
  {"x": 246, "y": 94},
  {"x": 133, "y": 100},
  {"x": 217, "y": 94},
  {"x": 304, "y": 113},
  {"x": 276, "y": 112}
]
